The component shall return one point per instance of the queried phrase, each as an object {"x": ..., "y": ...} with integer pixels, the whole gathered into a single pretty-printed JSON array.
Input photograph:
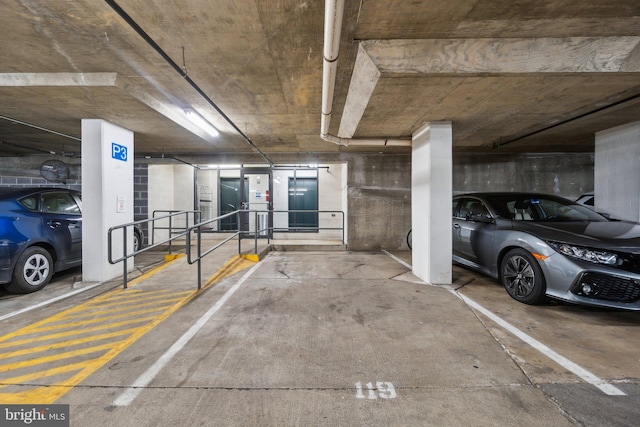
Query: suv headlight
[{"x": 585, "y": 254}]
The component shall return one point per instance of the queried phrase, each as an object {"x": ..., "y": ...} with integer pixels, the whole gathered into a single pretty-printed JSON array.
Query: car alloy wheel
[
  {"x": 522, "y": 277},
  {"x": 136, "y": 242}
]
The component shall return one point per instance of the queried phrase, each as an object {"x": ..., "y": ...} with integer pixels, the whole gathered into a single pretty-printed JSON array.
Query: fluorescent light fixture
[
  {"x": 199, "y": 121},
  {"x": 223, "y": 166}
]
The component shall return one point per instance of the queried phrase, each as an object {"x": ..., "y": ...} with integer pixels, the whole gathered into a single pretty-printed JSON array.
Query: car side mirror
[{"x": 479, "y": 218}]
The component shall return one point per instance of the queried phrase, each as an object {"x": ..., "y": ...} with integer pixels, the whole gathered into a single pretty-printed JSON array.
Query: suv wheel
[{"x": 32, "y": 272}]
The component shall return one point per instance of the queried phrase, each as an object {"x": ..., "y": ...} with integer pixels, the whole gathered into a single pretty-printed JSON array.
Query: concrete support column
[
  {"x": 431, "y": 193},
  {"x": 107, "y": 196},
  {"x": 617, "y": 172}
]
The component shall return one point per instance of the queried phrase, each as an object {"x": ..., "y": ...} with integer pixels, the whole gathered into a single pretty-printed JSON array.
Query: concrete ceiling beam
[
  {"x": 167, "y": 109},
  {"x": 57, "y": 79},
  {"x": 466, "y": 58},
  {"x": 505, "y": 56},
  {"x": 363, "y": 81}
]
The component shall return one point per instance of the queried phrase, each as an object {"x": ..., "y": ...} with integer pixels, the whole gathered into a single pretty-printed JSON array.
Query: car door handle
[
  {"x": 54, "y": 224},
  {"x": 456, "y": 225}
]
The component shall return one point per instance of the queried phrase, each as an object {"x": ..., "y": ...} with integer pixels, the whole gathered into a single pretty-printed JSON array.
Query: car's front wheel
[
  {"x": 138, "y": 239},
  {"x": 522, "y": 277},
  {"x": 32, "y": 272}
]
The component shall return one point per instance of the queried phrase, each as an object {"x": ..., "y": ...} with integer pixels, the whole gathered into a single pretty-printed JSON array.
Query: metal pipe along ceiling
[
  {"x": 133, "y": 24},
  {"x": 333, "y": 13}
]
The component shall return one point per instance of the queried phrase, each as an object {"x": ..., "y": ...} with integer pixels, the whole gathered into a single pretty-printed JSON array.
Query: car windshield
[{"x": 528, "y": 207}]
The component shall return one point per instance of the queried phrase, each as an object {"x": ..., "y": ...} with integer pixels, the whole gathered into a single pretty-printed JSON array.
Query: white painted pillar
[
  {"x": 107, "y": 196},
  {"x": 431, "y": 193},
  {"x": 617, "y": 172}
]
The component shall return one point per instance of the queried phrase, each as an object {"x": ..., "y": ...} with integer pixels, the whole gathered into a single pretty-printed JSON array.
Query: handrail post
[
  {"x": 170, "y": 234},
  {"x": 124, "y": 255},
  {"x": 199, "y": 257},
  {"x": 238, "y": 216},
  {"x": 256, "y": 234},
  {"x": 186, "y": 219},
  {"x": 188, "y": 246}
]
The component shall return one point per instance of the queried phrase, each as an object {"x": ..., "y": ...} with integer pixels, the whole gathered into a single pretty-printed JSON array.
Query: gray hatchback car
[{"x": 542, "y": 246}]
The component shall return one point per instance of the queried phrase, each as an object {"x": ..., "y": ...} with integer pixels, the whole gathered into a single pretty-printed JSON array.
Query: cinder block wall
[
  {"x": 141, "y": 196},
  {"x": 25, "y": 172}
]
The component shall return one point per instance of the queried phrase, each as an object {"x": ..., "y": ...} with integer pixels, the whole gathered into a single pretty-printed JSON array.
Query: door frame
[{"x": 244, "y": 171}]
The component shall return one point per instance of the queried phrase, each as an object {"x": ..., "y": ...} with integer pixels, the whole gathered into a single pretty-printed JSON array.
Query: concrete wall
[
  {"x": 376, "y": 188},
  {"x": 332, "y": 197},
  {"x": 171, "y": 187},
  {"x": 379, "y": 201},
  {"x": 379, "y": 187},
  {"x": 618, "y": 172},
  {"x": 566, "y": 175}
]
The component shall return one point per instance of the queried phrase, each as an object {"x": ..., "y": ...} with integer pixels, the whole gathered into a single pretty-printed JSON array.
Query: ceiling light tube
[{"x": 199, "y": 121}]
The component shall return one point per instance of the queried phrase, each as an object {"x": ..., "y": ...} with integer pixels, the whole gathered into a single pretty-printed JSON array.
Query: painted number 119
[{"x": 382, "y": 389}]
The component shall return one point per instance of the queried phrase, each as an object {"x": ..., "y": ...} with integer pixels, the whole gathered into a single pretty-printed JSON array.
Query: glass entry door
[
  {"x": 230, "y": 201},
  {"x": 303, "y": 196},
  {"x": 257, "y": 190}
]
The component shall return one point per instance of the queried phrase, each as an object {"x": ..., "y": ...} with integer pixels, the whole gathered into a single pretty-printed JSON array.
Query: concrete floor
[{"x": 335, "y": 338}]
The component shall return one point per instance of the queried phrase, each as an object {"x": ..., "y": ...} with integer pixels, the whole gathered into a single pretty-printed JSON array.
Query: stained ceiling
[{"x": 510, "y": 75}]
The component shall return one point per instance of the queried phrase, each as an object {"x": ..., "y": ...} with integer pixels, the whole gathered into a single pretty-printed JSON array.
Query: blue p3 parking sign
[{"x": 118, "y": 152}]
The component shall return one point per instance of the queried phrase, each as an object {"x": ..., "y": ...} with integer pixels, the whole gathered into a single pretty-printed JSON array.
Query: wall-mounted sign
[
  {"x": 121, "y": 204},
  {"x": 119, "y": 152}
]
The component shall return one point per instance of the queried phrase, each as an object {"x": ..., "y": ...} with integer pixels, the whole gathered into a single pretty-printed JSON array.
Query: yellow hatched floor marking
[
  {"x": 64, "y": 334},
  {"x": 43, "y": 374},
  {"x": 64, "y": 344},
  {"x": 35, "y": 375},
  {"x": 54, "y": 357},
  {"x": 89, "y": 322},
  {"x": 90, "y": 314}
]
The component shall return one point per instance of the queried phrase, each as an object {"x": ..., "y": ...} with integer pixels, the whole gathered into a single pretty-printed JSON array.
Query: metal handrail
[
  {"x": 285, "y": 229},
  {"x": 198, "y": 229},
  {"x": 126, "y": 255},
  {"x": 171, "y": 228},
  {"x": 239, "y": 233}
]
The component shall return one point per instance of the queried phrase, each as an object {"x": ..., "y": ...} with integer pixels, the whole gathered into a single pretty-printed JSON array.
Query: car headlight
[{"x": 585, "y": 254}]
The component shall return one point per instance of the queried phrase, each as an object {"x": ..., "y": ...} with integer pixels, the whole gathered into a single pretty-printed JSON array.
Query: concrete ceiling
[{"x": 539, "y": 76}]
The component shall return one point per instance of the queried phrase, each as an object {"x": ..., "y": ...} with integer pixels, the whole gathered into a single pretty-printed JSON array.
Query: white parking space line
[
  {"x": 576, "y": 369},
  {"x": 49, "y": 301},
  {"x": 559, "y": 359},
  {"x": 143, "y": 380},
  {"x": 397, "y": 259}
]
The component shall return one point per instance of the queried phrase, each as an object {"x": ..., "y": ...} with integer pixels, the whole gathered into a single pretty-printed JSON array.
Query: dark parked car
[
  {"x": 40, "y": 234},
  {"x": 586, "y": 199},
  {"x": 543, "y": 246}
]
